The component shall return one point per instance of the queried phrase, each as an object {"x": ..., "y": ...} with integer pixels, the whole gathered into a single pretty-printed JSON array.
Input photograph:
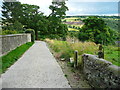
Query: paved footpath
[{"x": 37, "y": 68}]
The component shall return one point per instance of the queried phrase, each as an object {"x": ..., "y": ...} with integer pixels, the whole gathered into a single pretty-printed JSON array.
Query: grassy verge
[
  {"x": 66, "y": 50},
  {"x": 13, "y": 56}
]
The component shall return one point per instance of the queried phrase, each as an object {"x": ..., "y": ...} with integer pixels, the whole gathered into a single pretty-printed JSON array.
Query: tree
[
  {"x": 17, "y": 26},
  {"x": 58, "y": 9},
  {"x": 96, "y": 30},
  {"x": 16, "y": 15},
  {"x": 30, "y": 17},
  {"x": 11, "y": 13},
  {"x": 56, "y": 26},
  {"x": 42, "y": 25}
]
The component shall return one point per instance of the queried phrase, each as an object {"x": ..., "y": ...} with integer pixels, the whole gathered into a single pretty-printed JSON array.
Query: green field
[
  {"x": 111, "y": 54},
  {"x": 74, "y": 26},
  {"x": 111, "y": 22},
  {"x": 70, "y": 19},
  {"x": 72, "y": 29}
]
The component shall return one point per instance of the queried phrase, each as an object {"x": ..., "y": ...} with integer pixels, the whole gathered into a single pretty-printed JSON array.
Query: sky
[{"x": 79, "y": 7}]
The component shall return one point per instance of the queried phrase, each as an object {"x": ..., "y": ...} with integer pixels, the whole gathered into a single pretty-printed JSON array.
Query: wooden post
[
  {"x": 101, "y": 52},
  {"x": 75, "y": 58}
]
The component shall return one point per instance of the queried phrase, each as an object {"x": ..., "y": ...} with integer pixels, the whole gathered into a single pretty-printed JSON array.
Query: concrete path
[{"x": 37, "y": 68}]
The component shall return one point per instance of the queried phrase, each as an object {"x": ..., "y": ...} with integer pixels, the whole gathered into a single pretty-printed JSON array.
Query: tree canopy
[
  {"x": 17, "y": 16},
  {"x": 56, "y": 25},
  {"x": 96, "y": 30},
  {"x": 11, "y": 13}
]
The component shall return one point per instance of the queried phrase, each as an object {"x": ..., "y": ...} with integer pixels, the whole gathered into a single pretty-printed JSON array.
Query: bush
[
  {"x": 5, "y": 32},
  {"x": 32, "y": 34}
]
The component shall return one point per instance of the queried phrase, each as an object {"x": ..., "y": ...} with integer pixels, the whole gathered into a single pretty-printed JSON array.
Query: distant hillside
[
  {"x": 111, "y": 21},
  {"x": 118, "y": 17}
]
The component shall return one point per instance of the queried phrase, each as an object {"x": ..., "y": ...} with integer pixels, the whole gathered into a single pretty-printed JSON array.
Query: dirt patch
[{"x": 75, "y": 77}]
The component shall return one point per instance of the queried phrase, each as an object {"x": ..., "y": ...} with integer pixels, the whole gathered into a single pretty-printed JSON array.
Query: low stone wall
[
  {"x": 10, "y": 42},
  {"x": 100, "y": 73}
]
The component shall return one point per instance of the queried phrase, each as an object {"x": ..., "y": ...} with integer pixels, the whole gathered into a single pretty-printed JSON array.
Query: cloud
[
  {"x": 73, "y": 5},
  {"x": 93, "y": 0},
  {"x": 44, "y": 4},
  {"x": 78, "y": 7},
  {"x": 0, "y": 9}
]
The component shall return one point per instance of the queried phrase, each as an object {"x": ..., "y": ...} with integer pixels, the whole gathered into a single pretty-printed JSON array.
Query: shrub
[
  {"x": 5, "y": 32},
  {"x": 32, "y": 34}
]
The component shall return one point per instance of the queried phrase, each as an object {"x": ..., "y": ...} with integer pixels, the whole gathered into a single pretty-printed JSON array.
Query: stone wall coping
[
  {"x": 12, "y": 35},
  {"x": 115, "y": 69},
  {"x": 98, "y": 60}
]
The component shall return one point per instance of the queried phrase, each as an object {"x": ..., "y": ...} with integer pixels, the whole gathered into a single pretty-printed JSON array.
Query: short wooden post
[
  {"x": 101, "y": 52},
  {"x": 75, "y": 58}
]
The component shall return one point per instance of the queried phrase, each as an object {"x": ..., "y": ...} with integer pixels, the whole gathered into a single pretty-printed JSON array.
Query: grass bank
[
  {"x": 66, "y": 50},
  {"x": 13, "y": 56}
]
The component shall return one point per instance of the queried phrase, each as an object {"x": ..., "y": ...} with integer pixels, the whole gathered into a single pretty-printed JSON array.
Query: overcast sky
[{"x": 79, "y": 7}]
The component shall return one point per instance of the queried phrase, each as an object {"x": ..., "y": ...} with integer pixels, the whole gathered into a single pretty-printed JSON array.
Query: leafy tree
[
  {"x": 56, "y": 26},
  {"x": 58, "y": 9},
  {"x": 11, "y": 13},
  {"x": 17, "y": 15},
  {"x": 16, "y": 26},
  {"x": 73, "y": 34},
  {"x": 42, "y": 25},
  {"x": 64, "y": 21},
  {"x": 30, "y": 17},
  {"x": 96, "y": 30}
]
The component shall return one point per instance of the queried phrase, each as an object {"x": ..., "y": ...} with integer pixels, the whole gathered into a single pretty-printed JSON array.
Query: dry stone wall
[
  {"x": 100, "y": 73},
  {"x": 10, "y": 42}
]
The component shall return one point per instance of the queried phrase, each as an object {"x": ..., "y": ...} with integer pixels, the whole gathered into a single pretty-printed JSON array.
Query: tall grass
[{"x": 66, "y": 49}]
